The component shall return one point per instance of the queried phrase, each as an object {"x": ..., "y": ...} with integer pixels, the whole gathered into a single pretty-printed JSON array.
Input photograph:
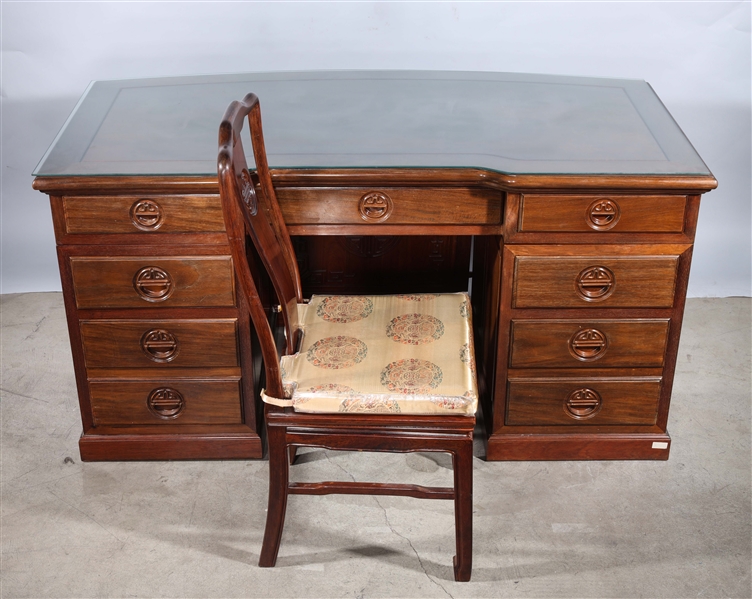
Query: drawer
[
  {"x": 594, "y": 281},
  {"x": 393, "y": 205},
  {"x": 603, "y": 343},
  {"x": 126, "y": 282},
  {"x": 139, "y": 214},
  {"x": 583, "y": 401},
  {"x": 579, "y": 213},
  {"x": 160, "y": 343},
  {"x": 181, "y": 401}
]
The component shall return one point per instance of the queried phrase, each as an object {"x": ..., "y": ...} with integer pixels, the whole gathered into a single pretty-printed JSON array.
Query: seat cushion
[{"x": 391, "y": 354}]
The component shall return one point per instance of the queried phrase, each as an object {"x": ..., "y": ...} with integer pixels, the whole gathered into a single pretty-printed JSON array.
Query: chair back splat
[
  {"x": 371, "y": 373},
  {"x": 250, "y": 207}
]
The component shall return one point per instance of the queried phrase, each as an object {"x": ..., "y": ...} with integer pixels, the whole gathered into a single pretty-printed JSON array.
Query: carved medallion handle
[
  {"x": 582, "y": 404},
  {"x": 165, "y": 403},
  {"x": 588, "y": 345},
  {"x": 153, "y": 284},
  {"x": 375, "y": 207},
  {"x": 595, "y": 283},
  {"x": 160, "y": 345},
  {"x": 603, "y": 214},
  {"x": 146, "y": 215}
]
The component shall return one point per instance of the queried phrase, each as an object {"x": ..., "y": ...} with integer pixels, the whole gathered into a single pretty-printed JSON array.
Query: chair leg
[
  {"x": 463, "y": 511},
  {"x": 278, "y": 486}
]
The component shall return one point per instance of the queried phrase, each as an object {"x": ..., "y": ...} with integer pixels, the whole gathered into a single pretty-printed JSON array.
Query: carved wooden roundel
[
  {"x": 595, "y": 283},
  {"x": 588, "y": 344},
  {"x": 603, "y": 214},
  {"x": 375, "y": 207},
  {"x": 160, "y": 345},
  {"x": 582, "y": 404},
  {"x": 147, "y": 215},
  {"x": 153, "y": 284},
  {"x": 165, "y": 403},
  {"x": 248, "y": 191}
]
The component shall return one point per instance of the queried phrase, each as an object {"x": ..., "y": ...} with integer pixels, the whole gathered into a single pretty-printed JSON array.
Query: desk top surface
[{"x": 503, "y": 122}]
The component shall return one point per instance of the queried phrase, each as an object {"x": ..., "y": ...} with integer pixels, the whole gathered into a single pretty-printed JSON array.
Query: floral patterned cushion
[{"x": 394, "y": 354}]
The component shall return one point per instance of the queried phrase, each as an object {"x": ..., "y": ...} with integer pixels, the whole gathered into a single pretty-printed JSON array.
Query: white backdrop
[{"x": 696, "y": 55}]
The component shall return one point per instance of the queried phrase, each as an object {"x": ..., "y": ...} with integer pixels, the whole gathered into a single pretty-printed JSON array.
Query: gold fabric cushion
[{"x": 393, "y": 354}]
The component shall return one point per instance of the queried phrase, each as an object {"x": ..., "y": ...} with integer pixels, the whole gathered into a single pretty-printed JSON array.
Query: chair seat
[{"x": 390, "y": 354}]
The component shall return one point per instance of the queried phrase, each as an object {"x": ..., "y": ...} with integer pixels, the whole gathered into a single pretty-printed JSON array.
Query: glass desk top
[{"x": 504, "y": 122}]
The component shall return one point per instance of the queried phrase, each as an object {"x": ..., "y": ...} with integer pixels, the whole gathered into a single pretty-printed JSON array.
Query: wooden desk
[{"x": 569, "y": 203}]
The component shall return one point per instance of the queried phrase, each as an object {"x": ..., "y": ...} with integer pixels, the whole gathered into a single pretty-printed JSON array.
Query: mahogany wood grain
[
  {"x": 124, "y": 403},
  {"x": 613, "y": 343},
  {"x": 172, "y": 344},
  {"x": 429, "y": 177},
  {"x": 580, "y": 446},
  {"x": 541, "y": 401},
  {"x": 114, "y": 214},
  {"x": 144, "y": 445},
  {"x": 552, "y": 281},
  {"x": 636, "y": 214},
  {"x": 411, "y": 205},
  {"x": 108, "y": 282}
]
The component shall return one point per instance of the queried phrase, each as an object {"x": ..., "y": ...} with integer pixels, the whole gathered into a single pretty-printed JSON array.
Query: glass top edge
[
  {"x": 512, "y": 174},
  {"x": 368, "y": 73}
]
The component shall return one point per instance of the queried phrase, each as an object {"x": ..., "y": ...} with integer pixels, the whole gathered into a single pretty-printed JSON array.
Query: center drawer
[
  {"x": 393, "y": 205},
  {"x": 160, "y": 343}
]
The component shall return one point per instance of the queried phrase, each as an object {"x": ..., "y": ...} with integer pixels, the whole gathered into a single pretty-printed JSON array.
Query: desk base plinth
[
  {"x": 98, "y": 448},
  {"x": 513, "y": 447}
]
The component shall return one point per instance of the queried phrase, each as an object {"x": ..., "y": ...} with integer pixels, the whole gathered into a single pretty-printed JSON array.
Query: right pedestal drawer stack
[{"x": 592, "y": 295}]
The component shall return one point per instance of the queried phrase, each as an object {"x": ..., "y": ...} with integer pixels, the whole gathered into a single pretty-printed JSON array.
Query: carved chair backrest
[{"x": 250, "y": 208}]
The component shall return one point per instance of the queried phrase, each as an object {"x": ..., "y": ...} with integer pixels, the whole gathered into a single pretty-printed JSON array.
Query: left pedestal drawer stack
[{"x": 160, "y": 342}]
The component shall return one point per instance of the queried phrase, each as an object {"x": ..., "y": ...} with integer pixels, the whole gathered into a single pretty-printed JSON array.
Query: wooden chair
[{"x": 346, "y": 380}]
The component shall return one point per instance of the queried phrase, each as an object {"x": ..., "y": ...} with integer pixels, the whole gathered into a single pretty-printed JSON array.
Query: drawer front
[
  {"x": 451, "y": 206},
  {"x": 583, "y": 401},
  {"x": 125, "y": 403},
  {"x": 122, "y": 282},
  {"x": 137, "y": 214},
  {"x": 583, "y": 282},
  {"x": 601, "y": 343},
  {"x": 159, "y": 343},
  {"x": 579, "y": 213}
]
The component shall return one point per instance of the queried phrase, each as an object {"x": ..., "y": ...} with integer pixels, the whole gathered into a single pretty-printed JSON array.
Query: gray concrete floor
[{"x": 542, "y": 529}]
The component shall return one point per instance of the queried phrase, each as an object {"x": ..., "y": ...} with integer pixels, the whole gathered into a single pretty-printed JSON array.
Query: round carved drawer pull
[
  {"x": 165, "y": 403},
  {"x": 588, "y": 345},
  {"x": 153, "y": 284},
  {"x": 603, "y": 214},
  {"x": 147, "y": 215},
  {"x": 160, "y": 345},
  {"x": 375, "y": 207},
  {"x": 595, "y": 283},
  {"x": 583, "y": 404}
]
